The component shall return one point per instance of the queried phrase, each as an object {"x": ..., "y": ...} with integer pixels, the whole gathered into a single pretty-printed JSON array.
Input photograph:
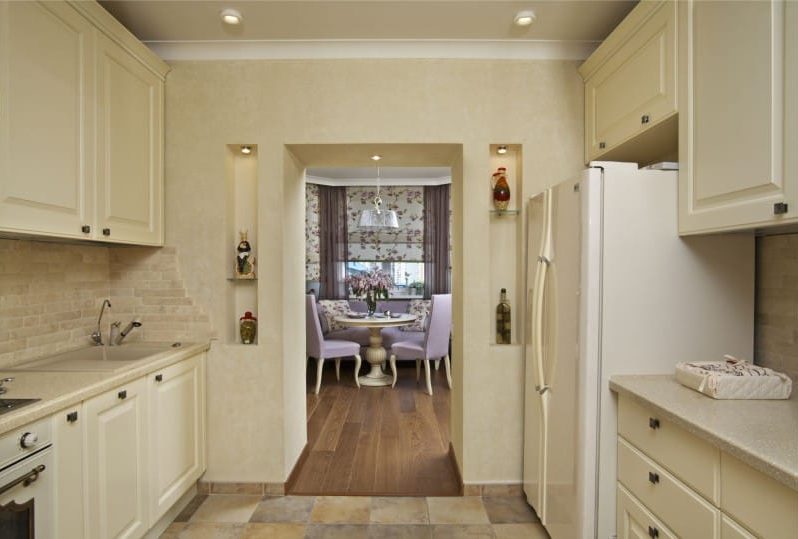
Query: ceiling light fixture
[
  {"x": 376, "y": 157},
  {"x": 246, "y": 150},
  {"x": 502, "y": 150},
  {"x": 377, "y": 218},
  {"x": 525, "y": 18},
  {"x": 231, "y": 16}
]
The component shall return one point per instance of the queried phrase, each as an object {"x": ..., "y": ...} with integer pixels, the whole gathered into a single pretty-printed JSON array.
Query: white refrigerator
[{"x": 612, "y": 289}]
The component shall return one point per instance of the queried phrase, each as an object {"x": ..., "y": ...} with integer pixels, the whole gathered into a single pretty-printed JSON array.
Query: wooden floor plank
[{"x": 377, "y": 440}]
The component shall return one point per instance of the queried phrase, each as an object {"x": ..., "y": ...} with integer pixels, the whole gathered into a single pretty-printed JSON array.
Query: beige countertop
[
  {"x": 59, "y": 390},
  {"x": 762, "y": 433}
]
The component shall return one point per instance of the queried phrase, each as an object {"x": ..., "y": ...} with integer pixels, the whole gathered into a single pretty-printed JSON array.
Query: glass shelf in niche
[{"x": 505, "y": 212}]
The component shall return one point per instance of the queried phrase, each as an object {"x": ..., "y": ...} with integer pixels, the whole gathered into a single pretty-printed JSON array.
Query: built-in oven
[{"x": 26, "y": 484}]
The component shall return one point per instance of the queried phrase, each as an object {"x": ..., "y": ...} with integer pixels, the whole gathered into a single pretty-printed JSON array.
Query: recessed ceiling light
[
  {"x": 246, "y": 150},
  {"x": 502, "y": 150},
  {"x": 231, "y": 16},
  {"x": 525, "y": 18},
  {"x": 376, "y": 157}
]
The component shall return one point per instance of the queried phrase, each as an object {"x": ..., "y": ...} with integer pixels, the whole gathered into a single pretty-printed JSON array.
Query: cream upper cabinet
[
  {"x": 738, "y": 115},
  {"x": 46, "y": 119},
  {"x": 129, "y": 147},
  {"x": 630, "y": 82},
  {"x": 81, "y": 126},
  {"x": 177, "y": 426},
  {"x": 116, "y": 457}
]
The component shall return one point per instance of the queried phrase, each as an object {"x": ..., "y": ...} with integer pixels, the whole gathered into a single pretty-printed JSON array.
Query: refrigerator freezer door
[
  {"x": 533, "y": 407},
  {"x": 560, "y": 361}
]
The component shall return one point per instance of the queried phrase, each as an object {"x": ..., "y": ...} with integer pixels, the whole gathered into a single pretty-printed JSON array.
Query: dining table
[{"x": 375, "y": 353}]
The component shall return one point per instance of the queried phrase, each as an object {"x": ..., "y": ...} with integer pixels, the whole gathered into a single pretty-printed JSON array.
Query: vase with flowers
[{"x": 370, "y": 286}]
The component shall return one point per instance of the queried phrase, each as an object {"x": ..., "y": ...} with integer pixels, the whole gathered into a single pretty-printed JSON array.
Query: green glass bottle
[{"x": 503, "y": 335}]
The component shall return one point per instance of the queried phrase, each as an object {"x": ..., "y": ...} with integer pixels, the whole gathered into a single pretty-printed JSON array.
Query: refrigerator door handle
[
  {"x": 546, "y": 260},
  {"x": 542, "y": 389}
]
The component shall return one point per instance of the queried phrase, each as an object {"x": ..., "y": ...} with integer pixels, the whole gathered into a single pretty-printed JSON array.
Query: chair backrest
[
  {"x": 312, "y": 327},
  {"x": 436, "y": 342}
]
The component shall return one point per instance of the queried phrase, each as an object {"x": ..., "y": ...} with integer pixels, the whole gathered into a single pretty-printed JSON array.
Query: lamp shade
[{"x": 374, "y": 219}]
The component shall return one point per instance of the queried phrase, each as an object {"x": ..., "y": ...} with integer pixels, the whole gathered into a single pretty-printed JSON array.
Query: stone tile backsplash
[
  {"x": 776, "y": 336},
  {"x": 50, "y": 296}
]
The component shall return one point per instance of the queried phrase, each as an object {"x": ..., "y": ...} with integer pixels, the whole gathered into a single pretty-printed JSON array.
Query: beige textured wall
[
  {"x": 51, "y": 293},
  {"x": 274, "y": 103},
  {"x": 776, "y": 337}
]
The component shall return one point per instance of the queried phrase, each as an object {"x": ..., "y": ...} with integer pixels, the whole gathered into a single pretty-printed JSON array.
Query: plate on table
[
  {"x": 396, "y": 315},
  {"x": 356, "y": 315}
]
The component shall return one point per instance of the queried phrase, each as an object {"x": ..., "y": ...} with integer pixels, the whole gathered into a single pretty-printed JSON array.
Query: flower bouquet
[{"x": 370, "y": 286}]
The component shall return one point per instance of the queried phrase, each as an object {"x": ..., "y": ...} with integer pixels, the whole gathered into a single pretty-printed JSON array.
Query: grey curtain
[
  {"x": 333, "y": 242},
  {"x": 436, "y": 240}
]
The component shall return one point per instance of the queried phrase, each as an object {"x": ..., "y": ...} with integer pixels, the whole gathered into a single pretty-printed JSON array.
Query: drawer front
[
  {"x": 691, "y": 459},
  {"x": 761, "y": 504},
  {"x": 729, "y": 529},
  {"x": 637, "y": 522},
  {"x": 679, "y": 508}
]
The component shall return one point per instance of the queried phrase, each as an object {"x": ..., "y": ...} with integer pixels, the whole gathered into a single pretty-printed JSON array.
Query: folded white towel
[{"x": 733, "y": 379}]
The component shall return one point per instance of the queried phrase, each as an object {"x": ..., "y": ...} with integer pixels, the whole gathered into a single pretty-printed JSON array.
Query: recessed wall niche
[
  {"x": 241, "y": 215},
  {"x": 507, "y": 241}
]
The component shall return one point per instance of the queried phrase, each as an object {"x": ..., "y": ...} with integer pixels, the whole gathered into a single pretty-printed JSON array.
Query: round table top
[{"x": 373, "y": 321}]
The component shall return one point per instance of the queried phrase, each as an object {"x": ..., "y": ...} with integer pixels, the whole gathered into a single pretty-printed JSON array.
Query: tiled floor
[{"x": 226, "y": 516}]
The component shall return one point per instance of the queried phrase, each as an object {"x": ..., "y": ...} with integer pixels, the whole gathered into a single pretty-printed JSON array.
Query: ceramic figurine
[
  {"x": 245, "y": 261},
  {"x": 248, "y": 326}
]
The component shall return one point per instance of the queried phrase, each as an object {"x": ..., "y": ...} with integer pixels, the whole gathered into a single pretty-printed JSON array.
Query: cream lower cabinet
[
  {"x": 674, "y": 484},
  {"x": 116, "y": 463},
  {"x": 124, "y": 458},
  {"x": 738, "y": 119},
  {"x": 177, "y": 432}
]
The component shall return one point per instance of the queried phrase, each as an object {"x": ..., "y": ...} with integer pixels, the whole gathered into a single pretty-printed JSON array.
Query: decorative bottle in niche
[
  {"x": 245, "y": 260},
  {"x": 248, "y": 327},
  {"x": 501, "y": 189},
  {"x": 503, "y": 335}
]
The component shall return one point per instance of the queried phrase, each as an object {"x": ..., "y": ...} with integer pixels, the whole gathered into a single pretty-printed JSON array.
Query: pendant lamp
[{"x": 377, "y": 218}]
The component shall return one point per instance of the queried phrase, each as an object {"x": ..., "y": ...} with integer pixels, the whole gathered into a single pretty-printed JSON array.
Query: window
[{"x": 408, "y": 277}]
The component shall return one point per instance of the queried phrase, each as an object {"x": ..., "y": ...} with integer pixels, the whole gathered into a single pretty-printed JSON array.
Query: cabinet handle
[
  {"x": 85, "y": 229},
  {"x": 72, "y": 417},
  {"x": 653, "y": 532},
  {"x": 159, "y": 377},
  {"x": 602, "y": 145},
  {"x": 653, "y": 423},
  {"x": 106, "y": 231},
  {"x": 122, "y": 394},
  {"x": 645, "y": 119},
  {"x": 780, "y": 208},
  {"x": 653, "y": 478}
]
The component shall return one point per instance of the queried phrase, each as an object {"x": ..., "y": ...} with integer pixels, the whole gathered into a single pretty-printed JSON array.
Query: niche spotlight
[
  {"x": 231, "y": 16},
  {"x": 501, "y": 150},
  {"x": 246, "y": 150},
  {"x": 376, "y": 157},
  {"x": 525, "y": 18}
]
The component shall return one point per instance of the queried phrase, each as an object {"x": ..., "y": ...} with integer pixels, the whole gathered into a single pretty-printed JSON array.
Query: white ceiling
[
  {"x": 164, "y": 23},
  {"x": 388, "y": 175}
]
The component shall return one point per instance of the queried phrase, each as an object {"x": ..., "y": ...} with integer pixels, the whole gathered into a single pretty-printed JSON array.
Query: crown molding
[
  {"x": 402, "y": 182},
  {"x": 378, "y": 48}
]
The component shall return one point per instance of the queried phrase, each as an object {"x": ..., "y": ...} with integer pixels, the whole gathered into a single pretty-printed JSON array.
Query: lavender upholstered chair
[
  {"x": 435, "y": 344},
  {"x": 322, "y": 349}
]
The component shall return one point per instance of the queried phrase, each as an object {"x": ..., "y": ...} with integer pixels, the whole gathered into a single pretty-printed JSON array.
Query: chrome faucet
[
  {"x": 117, "y": 339},
  {"x": 97, "y": 336}
]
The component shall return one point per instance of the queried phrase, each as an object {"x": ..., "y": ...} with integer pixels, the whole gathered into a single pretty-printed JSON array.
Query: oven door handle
[{"x": 26, "y": 479}]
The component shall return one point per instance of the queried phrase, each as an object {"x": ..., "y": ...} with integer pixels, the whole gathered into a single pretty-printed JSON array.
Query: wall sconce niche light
[
  {"x": 246, "y": 150},
  {"x": 501, "y": 150},
  {"x": 231, "y": 16}
]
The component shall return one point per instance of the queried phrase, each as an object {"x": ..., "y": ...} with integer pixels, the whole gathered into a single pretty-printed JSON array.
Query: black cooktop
[{"x": 9, "y": 405}]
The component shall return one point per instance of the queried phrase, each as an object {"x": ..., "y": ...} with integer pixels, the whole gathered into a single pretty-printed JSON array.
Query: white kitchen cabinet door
[
  {"x": 734, "y": 115},
  {"x": 129, "y": 147},
  {"x": 68, "y": 432},
  {"x": 177, "y": 432},
  {"x": 116, "y": 457},
  {"x": 634, "y": 88},
  {"x": 46, "y": 120}
]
